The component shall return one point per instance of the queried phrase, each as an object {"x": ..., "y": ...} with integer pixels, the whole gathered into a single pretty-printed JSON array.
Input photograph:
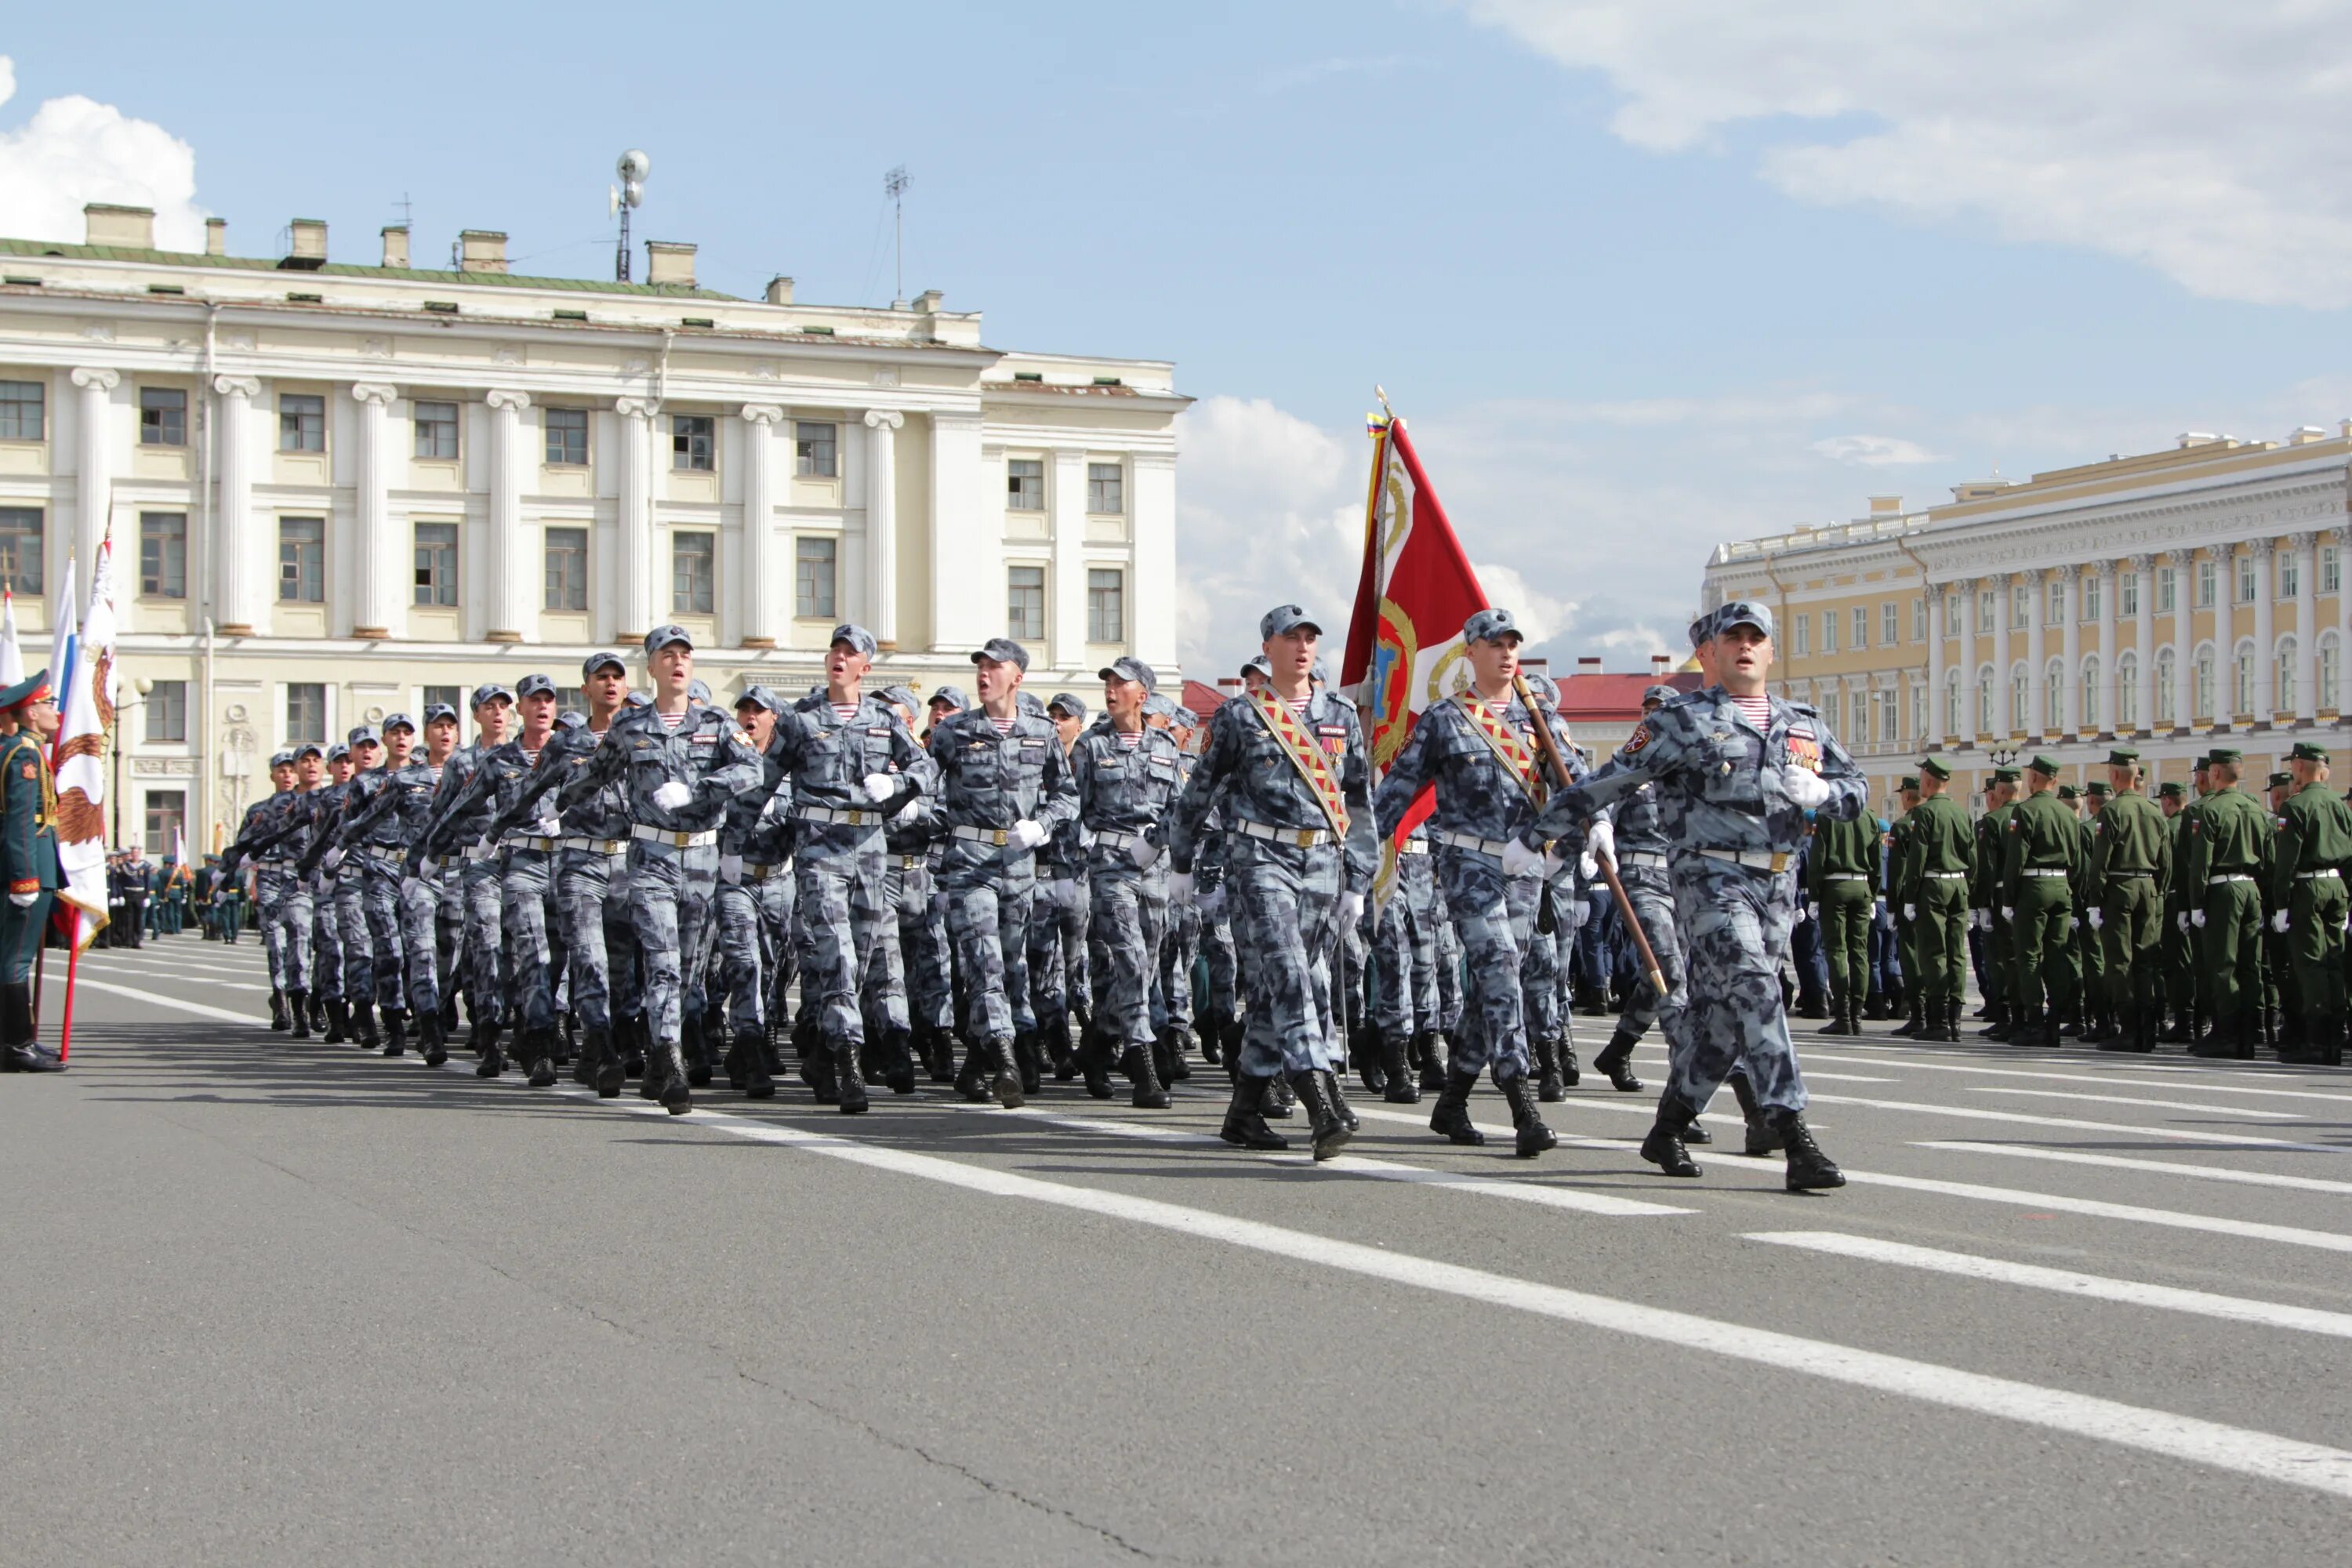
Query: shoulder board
[
  {"x": 1805, "y": 710},
  {"x": 1344, "y": 701}
]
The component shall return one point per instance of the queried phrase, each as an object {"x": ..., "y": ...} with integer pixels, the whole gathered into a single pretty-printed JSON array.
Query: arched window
[
  {"x": 1984, "y": 701},
  {"x": 2089, "y": 711},
  {"x": 2283, "y": 683},
  {"x": 2242, "y": 681},
  {"x": 2167, "y": 689},
  {"x": 2331, "y": 673},
  {"x": 1952, "y": 703},
  {"x": 2127, "y": 693},
  {"x": 2053, "y": 696},
  {"x": 2200, "y": 700},
  {"x": 2016, "y": 699}
]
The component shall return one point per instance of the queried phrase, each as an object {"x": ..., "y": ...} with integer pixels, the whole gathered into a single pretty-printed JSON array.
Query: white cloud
[
  {"x": 1874, "y": 451},
  {"x": 2165, "y": 132},
  {"x": 73, "y": 151}
]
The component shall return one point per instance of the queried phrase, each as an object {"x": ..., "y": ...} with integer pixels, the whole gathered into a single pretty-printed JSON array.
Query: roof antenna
[
  {"x": 894, "y": 188},
  {"x": 633, "y": 166}
]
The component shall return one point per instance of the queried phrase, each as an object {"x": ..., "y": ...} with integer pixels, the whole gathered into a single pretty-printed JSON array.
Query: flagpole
[
  {"x": 73, "y": 962},
  {"x": 1549, "y": 745}
]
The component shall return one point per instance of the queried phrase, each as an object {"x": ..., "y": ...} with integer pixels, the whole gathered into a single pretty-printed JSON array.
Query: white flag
[
  {"x": 87, "y": 700},
  {"x": 12, "y": 657}
]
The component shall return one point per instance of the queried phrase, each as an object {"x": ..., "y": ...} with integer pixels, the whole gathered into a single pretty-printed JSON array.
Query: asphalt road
[{"x": 271, "y": 1301}]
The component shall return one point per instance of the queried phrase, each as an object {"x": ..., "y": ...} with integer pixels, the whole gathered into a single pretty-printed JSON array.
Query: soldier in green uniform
[
  {"x": 28, "y": 863},
  {"x": 2068, "y": 1019},
  {"x": 2225, "y": 865},
  {"x": 1939, "y": 846},
  {"x": 1842, "y": 867},
  {"x": 2131, "y": 873},
  {"x": 2282, "y": 1008},
  {"x": 2181, "y": 978},
  {"x": 2091, "y": 1019},
  {"x": 1985, "y": 901},
  {"x": 2308, "y": 901},
  {"x": 2041, "y": 844},
  {"x": 1900, "y": 894}
]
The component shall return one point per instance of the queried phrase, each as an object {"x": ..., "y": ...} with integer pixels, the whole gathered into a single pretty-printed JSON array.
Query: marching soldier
[
  {"x": 2308, "y": 902},
  {"x": 461, "y": 816},
  {"x": 2224, "y": 866},
  {"x": 2192, "y": 1000},
  {"x": 2042, "y": 847},
  {"x": 259, "y": 818},
  {"x": 388, "y": 812},
  {"x": 1058, "y": 972},
  {"x": 522, "y": 835},
  {"x": 1938, "y": 863},
  {"x": 2000, "y": 957},
  {"x": 1638, "y": 826},
  {"x": 1901, "y": 894},
  {"x": 28, "y": 861},
  {"x": 2088, "y": 1017},
  {"x": 2130, "y": 878},
  {"x": 749, "y": 848}
]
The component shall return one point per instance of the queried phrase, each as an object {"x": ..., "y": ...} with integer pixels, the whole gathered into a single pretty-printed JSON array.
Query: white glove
[
  {"x": 2073, "y": 922},
  {"x": 408, "y": 886},
  {"x": 2278, "y": 921},
  {"x": 1351, "y": 910},
  {"x": 1518, "y": 860},
  {"x": 2098, "y": 918},
  {"x": 1805, "y": 786},
  {"x": 334, "y": 857},
  {"x": 1810, "y": 910},
  {"x": 1028, "y": 835},
  {"x": 672, "y": 795},
  {"x": 1600, "y": 840},
  {"x": 880, "y": 787},
  {"x": 24, "y": 900},
  {"x": 2196, "y": 918},
  {"x": 730, "y": 868},
  {"x": 2181, "y": 920},
  {"x": 1144, "y": 853},
  {"x": 1586, "y": 866},
  {"x": 1910, "y": 912},
  {"x": 1180, "y": 888},
  {"x": 906, "y": 813},
  {"x": 1064, "y": 893},
  {"x": 2009, "y": 911}
]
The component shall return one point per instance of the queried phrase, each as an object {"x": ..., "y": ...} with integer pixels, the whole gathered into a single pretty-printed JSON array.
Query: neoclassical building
[
  {"x": 339, "y": 491},
  {"x": 2167, "y": 601}
]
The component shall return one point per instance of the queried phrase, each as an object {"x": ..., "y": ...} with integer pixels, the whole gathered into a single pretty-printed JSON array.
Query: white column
[
  {"x": 1152, "y": 581},
  {"x": 2069, "y": 717},
  {"x": 634, "y": 558},
  {"x": 237, "y": 599},
  {"x": 1065, "y": 616},
  {"x": 506, "y": 611},
  {"x": 2265, "y": 665},
  {"x": 2342, "y": 537},
  {"x": 2038, "y": 716},
  {"x": 966, "y": 584},
  {"x": 2107, "y": 688},
  {"x": 882, "y": 524},
  {"x": 93, "y": 476},
  {"x": 1929, "y": 733},
  {"x": 2225, "y": 635},
  {"x": 758, "y": 611},
  {"x": 1965, "y": 592},
  {"x": 2144, "y": 644},
  {"x": 375, "y": 555},
  {"x": 2184, "y": 648},
  {"x": 2001, "y": 719},
  {"x": 2306, "y": 625}
]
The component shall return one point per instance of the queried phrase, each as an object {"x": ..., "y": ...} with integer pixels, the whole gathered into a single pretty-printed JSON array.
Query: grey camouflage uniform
[{"x": 1122, "y": 795}]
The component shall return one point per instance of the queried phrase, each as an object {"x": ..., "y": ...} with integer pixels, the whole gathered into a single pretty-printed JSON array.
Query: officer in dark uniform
[{"x": 28, "y": 862}]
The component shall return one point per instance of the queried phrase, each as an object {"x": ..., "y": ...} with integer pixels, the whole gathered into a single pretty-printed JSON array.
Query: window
[
  {"x": 567, "y": 570},
  {"x": 2127, "y": 594},
  {"x": 437, "y": 430},
  {"x": 1918, "y": 621},
  {"x": 2241, "y": 683},
  {"x": 2206, "y": 579},
  {"x": 162, "y": 418},
  {"x": 2095, "y": 594},
  {"x": 1829, "y": 631},
  {"x": 2331, "y": 570},
  {"x": 2167, "y": 689},
  {"x": 1106, "y": 605},
  {"x": 454, "y": 696},
  {"x": 20, "y": 549},
  {"x": 1106, "y": 487},
  {"x": 2054, "y": 697},
  {"x": 2283, "y": 683},
  {"x": 2168, "y": 589},
  {"x": 693, "y": 571},
  {"x": 567, "y": 437},
  {"x": 2055, "y": 611},
  {"x": 2088, "y": 711},
  {"x": 689, "y": 443},
  {"x": 437, "y": 564},
  {"x": 2246, "y": 583},
  {"x": 1024, "y": 602},
  {"x": 1952, "y": 703},
  {"x": 2020, "y": 603},
  {"x": 1888, "y": 716},
  {"x": 167, "y": 820},
  {"x": 306, "y": 711},
  {"x": 2289, "y": 574},
  {"x": 164, "y": 554},
  {"x": 2017, "y": 699},
  {"x": 2331, "y": 674},
  {"x": 2127, "y": 693},
  {"x": 2201, "y": 696},
  {"x": 1860, "y": 729},
  {"x": 812, "y": 448},
  {"x": 1860, "y": 627},
  {"x": 814, "y": 577},
  {"x": 303, "y": 560},
  {"x": 1984, "y": 702},
  {"x": 21, "y": 410},
  {"x": 1984, "y": 612},
  {"x": 167, "y": 711},
  {"x": 1024, "y": 484},
  {"x": 301, "y": 422},
  {"x": 1804, "y": 634},
  {"x": 1919, "y": 709},
  {"x": 1889, "y": 625}
]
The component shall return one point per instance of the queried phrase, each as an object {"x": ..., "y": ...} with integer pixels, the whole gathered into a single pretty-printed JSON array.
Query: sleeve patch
[{"x": 1637, "y": 740}]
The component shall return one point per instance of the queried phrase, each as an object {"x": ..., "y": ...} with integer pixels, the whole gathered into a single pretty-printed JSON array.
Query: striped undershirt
[
  {"x": 671, "y": 721},
  {"x": 845, "y": 711},
  {"x": 1759, "y": 710}
]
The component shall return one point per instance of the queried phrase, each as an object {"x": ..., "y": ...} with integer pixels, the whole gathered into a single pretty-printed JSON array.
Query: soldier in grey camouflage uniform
[
  {"x": 917, "y": 845},
  {"x": 1404, "y": 968},
  {"x": 452, "y": 843},
  {"x": 1734, "y": 771},
  {"x": 269, "y": 885},
  {"x": 391, "y": 809},
  {"x": 1297, "y": 868},
  {"x": 1638, "y": 826},
  {"x": 1005, "y": 790},
  {"x": 296, "y": 906},
  {"x": 346, "y": 870},
  {"x": 749, "y": 829},
  {"x": 524, "y": 830},
  {"x": 1058, "y": 957},
  {"x": 1171, "y": 995},
  {"x": 330, "y": 1012}
]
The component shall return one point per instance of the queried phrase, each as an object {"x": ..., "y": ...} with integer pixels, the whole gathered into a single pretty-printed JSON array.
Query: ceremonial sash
[
  {"x": 1516, "y": 755},
  {"x": 1305, "y": 755}
]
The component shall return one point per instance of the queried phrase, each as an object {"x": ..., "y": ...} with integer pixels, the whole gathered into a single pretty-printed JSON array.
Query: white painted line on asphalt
[
  {"x": 1846, "y": 1078},
  {"x": 2064, "y": 1281},
  {"x": 2278, "y": 1073},
  {"x": 2128, "y": 1099},
  {"x": 2160, "y": 1167},
  {"x": 221, "y": 1015},
  {"x": 2291, "y": 1236},
  {"x": 2184, "y": 1135},
  {"x": 2204, "y": 1084}
]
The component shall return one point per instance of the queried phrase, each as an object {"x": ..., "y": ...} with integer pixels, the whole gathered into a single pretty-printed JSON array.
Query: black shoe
[
  {"x": 493, "y": 1062},
  {"x": 677, "y": 1094},
  {"x": 605, "y": 1068},
  {"x": 1436, "y": 1050},
  {"x": 1006, "y": 1086},
  {"x": 1339, "y": 1101},
  {"x": 1245, "y": 1125},
  {"x": 298, "y": 1008},
  {"x": 1563, "y": 1050},
  {"x": 28, "y": 1058},
  {"x": 435, "y": 1039},
  {"x": 696, "y": 1047},
  {"x": 1697, "y": 1132},
  {"x": 1450, "y": 1119},
  {"x": 1616, "y": 1062},
  {"x": 1066, "y": 1061},
  {"x": 396, "y": 1032},
  {"x": 1402, "y": 1090},
  {"x": 1324, "y": 1122},
  {"x": 1094, "y": 1063},
  {"x": 1212, "y": 1035},
  {"x": 1173, "y": 1068},
  {"x": 1027, "y": 1061},
  {"x": 1810, "y": 1170},
  {"x": 1761, "y": 1140},
  {"x": 278, "y": 1018},
  {"x": 338, "y": 1024},
  {"x": 1534, "y": 1137},
  {"x": 1548, "y": 1087},
  {"x": 971, "y": 1079},
  {"x": 363, "y": 1027},
  {"x": 1279, "y": 1102},
  {"x": 1837, "y": 1024},
  {"x": 541, "y": 1054},
  {"x": 899, "y": 1062},
  {"x": 1366, "y": 1050},
  {"x": 849, "y": 1083},
  {"x": 1664, "y": 1146},
  {"x": 1142, "y": 1074},
  {"x": 733, "y": 1066}
]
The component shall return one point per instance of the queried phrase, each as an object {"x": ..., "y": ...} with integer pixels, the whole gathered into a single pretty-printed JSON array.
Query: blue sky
[{"x": 1643, "y": 276}]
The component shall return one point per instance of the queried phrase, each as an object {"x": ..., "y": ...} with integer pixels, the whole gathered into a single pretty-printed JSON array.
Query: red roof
[
  {"x": 1602, "y": 701},
  {"x": 1201, "y": 699}
]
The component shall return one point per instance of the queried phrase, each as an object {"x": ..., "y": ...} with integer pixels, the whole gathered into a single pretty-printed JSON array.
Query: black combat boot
[
  {"x": 1876, "y": 1007},
  {"x": 2125, "y": 1038},
  {"x": 897, "y": 1062},
  {"x": 1324, "y": 1124},
  {"x": 538, "y": 1050},
  {"x": 1173, "y": 1068},
  {"x": 1279, "y": 1101},
  {"x": 1548, "y": 1087},
  {"x": 849, "y": 1085},
  {"x": 1057, "y": 1046},
  {"x": 1437, "y": 1049},
  {"x": 364, "y": 1025},
  {"x": 396, "y": 1032},
  {"x": 1911, "y": 1024},
  {"x": 1810, "y": 1170},
  {"x": 1143, "y": 1079},
  {"x": 338, "y": 1024},
  {"x": 1339, "y": 1101},
  {"x": 1093, "y": 1062},
  {"x": 2219, "y": 1044},
  {"x": 433, "y": 1037},
  {"x": 1952, "y": 1021},
  {"x": 636, "y": 1037},
  {"x": 1837, "y": 1024},
  {"x": 2069, "y": 1025},
  {"x": 2248, "y": 1035},
  {"x": 1664, "y": 1146},
  {"x": 317, "y": 1014},
  {"x": 1563, "y": 1050},
  {"x": 666, "y": 1064},
  {"x": 1027, "y": 1062},
  {"x": 1211, "y": 1030},
  {"x": 603, "y": 1062},
  {"x": 1235, "y": 1030},
  {"x": 1245, "y": 1125},
  {"x": 1371, "y": 1062},
  {"x": 971, "y": 1079},
  {"x": 2178, "y": 1032},
  {"x": 696, "y": 1046},
  {"x": 1450, "y": 1119},
  {"x": 297, "y": 1009},
  {"x": 1402, "y": 1090},
  {"x": 278, "y": 1018},
  {"x": 1697, "y": 1132},
  {"x": 2002, "y": 1025},
  {"x": 738, "y": 1070},
  {"x": 1761, "y": 1140},
  {"x": 1616, "y": 1063},
  {"x": 1006, "y": 1086},
  {"x": 486, "y": 1039},
  {"x": 1534, "y": 1137}
]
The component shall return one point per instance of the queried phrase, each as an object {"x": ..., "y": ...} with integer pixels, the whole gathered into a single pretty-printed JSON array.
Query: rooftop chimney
[
  {"x": 306, "y": 249},
  {"x": 1589, "y": 665},
  {"x": 1885, "y": 506},
  {"x": 669, "y": 262},
  {"x": 928, "y": 301},
  {"x": 132, "y": 228},
  {"x": 2197, "y": 439},
  {"x": 481, "y": 251},
  {"x": 1659, "y": 663},
  {"x": 780, "y": 289},
  {"x": 2306, "y": 434},
  {"x": 395, "y": 245},
  {"x": 215, "y": 236}
]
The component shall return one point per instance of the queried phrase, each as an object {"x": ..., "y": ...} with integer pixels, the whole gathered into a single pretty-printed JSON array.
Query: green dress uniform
[
  {"x": 1984, "y": 898},
  {"x": 2183, "y": 990},
  {"x": 2225, "y": 863},
  {"x": 2131, "y": 873},
  {"x": 29, "y": 864},
  {"x": 2041, "y": 844},
  {"x": 1939, "y": 848},
  {"x": 2084, "y": 964},
  {"x": 1841, "y": 868},
  {"x": 1900, "y": 894},
  {"x": 2314, "y": 852}
]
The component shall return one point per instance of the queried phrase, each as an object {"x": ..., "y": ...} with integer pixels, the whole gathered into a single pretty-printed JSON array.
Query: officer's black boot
[
  {"x": 1437, "y": 1049},
  {"x": 1339, "y": 1101},
  {"x": 1548, "y": 1087},
  {"x": 1143, "y": 1080},
  {"x": 696, "y": 1046},
  {"x": 1025, "y": 1062},
  {"x": 1952, "y": 1021},
  {"x": 1174, "y": 1068},
  {"x": 1563, "y": 1050},
  {"x": 538, "y": 1050},
  {"x": 298, "y": 1008},
  {"x": 1402, "y": 1090},
  {"x": 363, "y": 1025},
  {"x": 1911, "y": 1024},
  {"x": 1534, "y": 1137},
  {"x": 758, "y": 1083},
  {"x": 1212, "y": 1036},
  {"x": 1324, "y": 1122},
  {"x": 1245, "y": 1125},
  {"x": 1371, "y": 1062},
  {"x": 971, "y": 1079},
  {"x": 667, "y": 1063},
  {"x": 898, "y": 1062},
  {"x": 338, "y": 1024},
  {"x": 396, "y": 1032},
  {"x": 1837, "y": 1024},
  {"x": 1450, "y": 1119},
  {"x": 1810, "y": 1170},
  {"x": 1279, "y": 1101},
  {"x": 849, "y": 1082},
  {"x": 494, "y": 1060},
  {"x": 1761, "y": 1139},
  {"x": 278, "y": 1018},
  {"x": 1664, "y": 1146},
  {"x": 1615, "y": 1062},
  {"x": 433, "y": 1037},
  {"x": 1006, "y": 1086}
]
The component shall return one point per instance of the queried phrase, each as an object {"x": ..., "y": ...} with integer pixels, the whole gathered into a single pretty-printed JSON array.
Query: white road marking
[
  {"x": 2203, "y": 1079},
  {"x": 2064, "y": 1281},
  {"x": 2122, "y": 1162},
  {"x": 2291, "y": 1236},
  {"x": 2184, "y": 1135},
  {"x": 2128, "y": 1099},
  {"x": 220, "y": 1014}
]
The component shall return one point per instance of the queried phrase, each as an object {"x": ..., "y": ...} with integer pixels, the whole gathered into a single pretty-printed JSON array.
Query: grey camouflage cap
[
  {"x": 855, "y": 635},
  {"x": 1003, "y": 651},
  {"x": 1491, "y": 626},
  {"x": 1127, "y": 667},
  {"x": 661, "y": 638},
  {"x": 598, "y": 660},
  {"x": 533, "y": 685},
  {"x": 1067, "y": 702},
  {"x": 1283, "y": 618}
]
